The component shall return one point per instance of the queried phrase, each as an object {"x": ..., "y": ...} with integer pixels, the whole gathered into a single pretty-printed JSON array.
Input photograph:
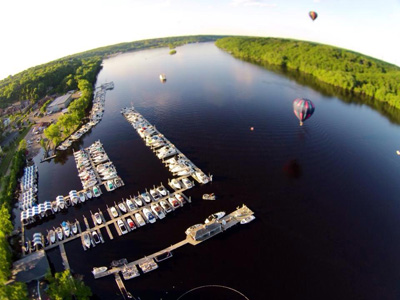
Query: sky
[{"x": 36, "y": 32}]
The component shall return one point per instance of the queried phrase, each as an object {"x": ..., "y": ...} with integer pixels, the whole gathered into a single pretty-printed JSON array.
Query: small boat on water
[
  {"x": 95, "y": 237},
  {"x": 54, "y": 206},
  {"x": 131, "y": 224},
  {"x": 99, "y": 270},
  {"x": 130, "y": 205},
  {"x": 86, "y": 239},
  {"x": 148, "y": 215},
  {"x": 157, "y": 210},
  {"x": 209, "y": 196},
  {"x": 180, "y": 198},
  {"x": 122, "y": 207},
  {"x": 215, "y": 217},
  {"x": 146, "y": 197},
  {"x": 82, "y": 196},
  {"x": 138, "y": 201},
  {"x": 175, "y": 184},
  {"x": 59, "y": 233},
  {"x": 166, "y": 207},
  {"x": 140, "y": 219},
  {"x": 65, "y": 227},
  {"x": 155, "y": 194},
  {"x": 122, "y": 227},
  {"x": 52, "y": 236},
  {"x": 162, "y": 190},
  {"x": 173, "y": 202},
  {"x": 74, "y": 228},
  {"x": 89, "y": 194},
  {"x": 98, "y": 219},
  {"x": 96, "y": 191},
  {"x": 247, "y": 219},
  {"x": 163, "y": 78},
  {"x": 110, "y": 185},
  {"x": 114, "y": 212}
]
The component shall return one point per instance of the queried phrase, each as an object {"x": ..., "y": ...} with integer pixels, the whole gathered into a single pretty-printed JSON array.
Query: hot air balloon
[
  {"x": 303, "y": 109},
  {"x": 313, "y": 15}
]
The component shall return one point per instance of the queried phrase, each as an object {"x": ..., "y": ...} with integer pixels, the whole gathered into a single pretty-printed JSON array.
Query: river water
[{"x": 327, "y": 230}]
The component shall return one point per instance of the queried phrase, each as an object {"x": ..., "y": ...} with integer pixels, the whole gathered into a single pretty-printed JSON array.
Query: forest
[
  {"x": 63, "y": 75},
  {"x": 341, "y": 68}
]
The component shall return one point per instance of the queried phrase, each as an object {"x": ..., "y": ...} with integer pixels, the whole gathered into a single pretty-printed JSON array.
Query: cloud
[
  {"x": 317, "y": 1},
  {"x": 254, "y": 3}
]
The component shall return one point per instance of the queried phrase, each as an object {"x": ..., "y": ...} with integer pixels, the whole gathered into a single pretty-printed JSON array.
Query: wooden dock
[
  {"x": 227, "y": 222},
  {"x": 64, "y": 256}
]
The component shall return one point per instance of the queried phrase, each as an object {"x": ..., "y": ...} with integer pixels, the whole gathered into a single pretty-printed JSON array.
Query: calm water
[{"x": 331, "y": 232}]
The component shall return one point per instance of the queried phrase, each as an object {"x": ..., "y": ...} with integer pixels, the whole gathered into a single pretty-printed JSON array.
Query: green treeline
[
  {"x": 64, "y": 286},
  {"x": 16, "y": 290},
  {"x": 342, "y": 68}
]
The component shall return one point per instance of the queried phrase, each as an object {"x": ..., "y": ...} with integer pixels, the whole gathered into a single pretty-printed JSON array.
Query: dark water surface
[{"x": 328, "y": 231}]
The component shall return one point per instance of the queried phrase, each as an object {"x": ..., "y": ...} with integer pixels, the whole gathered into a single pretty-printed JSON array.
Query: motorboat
[
  {"x": 166, "y": 151},
  {"x": 180, "y": 198},
  {"x": 98, "y": 219},
  {"x": 185, "y": 172},
  {"x": 203, "y": 178},
  {"x": 66, "y": 228},
  {"x": 110, "y": 185},
  {"x": 175, "y": 184},
  {"x": 122, "y": 207},
  {"x": 192, "y": 228},
  {"x": 54, "y": 206},
  {"x": 215, "y": 217},
  {"x": 99, "y": 270},
  {"x": 166, "y": 207},
  {"x": 130, "y": 222},
  {"x": 130, "y": 205},
  {"x": 162, "y": 190},
  {"x": 60, "y": 202},
  {"x": 140, "y": 219},
  {"x": 163, "y": 78},
  {"x": 90, "y": 183},
  {"x": 157, "y": 210},
  {"x": 82, "y": 197},
  {"x": 86, "y": 239},
  {"x": 114, "y": 212},
  {"x": 138, "y": 201},
  {"x": 209, "y": 196},
  {"x": 95, "y": 237},
  {"x": 96, "y": 191},
  {"x": 122, "y": 227},
  {"x": 148, "y": 215},
  {"x": 89, "y": 194},
  {"x": 52, "y": 236},
  {"x": 173, "y": 202},
  {"x": 155, "y": 194},
  {"x": 247, "y": 219},
  {"x": 73, "y": 195},
  {"x": 146, "y": 197},
  {"x": 59, "y": 233},
  {"x": 74, "y": 228},
  {"x": 187, "y": 183},
  {"x": 109, "y": 176}
]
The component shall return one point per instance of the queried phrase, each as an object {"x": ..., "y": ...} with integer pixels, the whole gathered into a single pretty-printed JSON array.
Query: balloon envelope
[
  {"x": 313, "y": 15},
  {"x": 303, "y": 109}
]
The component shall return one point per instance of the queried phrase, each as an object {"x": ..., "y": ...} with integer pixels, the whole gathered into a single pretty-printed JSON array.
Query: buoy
[{"x": 251, "y": 128}]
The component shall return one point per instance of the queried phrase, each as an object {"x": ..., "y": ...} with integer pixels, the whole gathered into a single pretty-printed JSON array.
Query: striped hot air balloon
[
  {"x": 303, "y": 109},
  {"x": 313, "y": 15}
]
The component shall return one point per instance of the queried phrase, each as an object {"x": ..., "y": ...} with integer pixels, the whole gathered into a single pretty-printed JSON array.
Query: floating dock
[{"x": 206, "y": 231}]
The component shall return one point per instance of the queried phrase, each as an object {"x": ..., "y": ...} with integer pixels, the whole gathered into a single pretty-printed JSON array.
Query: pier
[{"x": 223, "y": 224}]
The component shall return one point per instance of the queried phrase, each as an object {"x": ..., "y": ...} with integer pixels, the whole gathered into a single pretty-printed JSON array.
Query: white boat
[
  {"x": 187, "y": 183},
  {"x": 95, "y": 237},
  {"x": 52, "y": 236},
  {"x": 99, "y": 270},
  {"x": 185, "y": 172},
  {"x": 131, "y": 224},
  {"x": 215, "y": 217},
  {"x": 109, "y": 176},
  {"x": 60, "y": 202},
  {"x": 82, "y": 196},
  {"x": 114, "y": 212},
  {"x": 122, "y": 207},
  {"x": 140, "y": 219},
  {"x": 122, "y": 226},
  {"x": 96, "y": 191},
  {"x": 163, "y": 78},
  {"x": 157, "y": 211},
  {"x": 110, "y": 185},
  {"x": 86, "y": 239},
  {"x": 54, "y": 206},
  {"x": 59, "y": 233},
  {"x": 247, "y": 219},
  {"x": 98, "y": 219},
  {"x": 148, "y": 215},
  {"x": 74, "y": 228},
  {"x": 66, "y": 229},
  {"x": 203, "y": 178},
  {"x": 398, "y": 152},
  {"x": 89, "y": 194},
  {"x": 154, "y": 194},
  {"x": 173, "y": 202},
  {"x": 175, "y": 184},
  {"x": 162, "y": 190},
  {"x": 138, "y": 201},
  {"x": 209, "y": 196},
  {"x": 166, "y": 207},
  {"x": 130, "y": 205},
  {"x": 146, "y": 197},
  {"x": 180, "y": 198}
]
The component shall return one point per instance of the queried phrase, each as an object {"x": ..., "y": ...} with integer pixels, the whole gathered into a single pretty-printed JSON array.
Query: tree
[{"x": 63, "y": 286}]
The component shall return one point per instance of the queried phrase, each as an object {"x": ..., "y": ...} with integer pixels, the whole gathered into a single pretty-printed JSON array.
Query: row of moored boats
[
  {"x": 177, "y": 162},
  {"x": 29, "y": 188}
]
